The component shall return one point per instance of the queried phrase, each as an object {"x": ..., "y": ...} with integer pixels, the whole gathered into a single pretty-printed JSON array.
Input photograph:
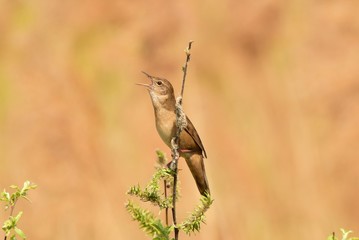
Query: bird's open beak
[
  {"x": 145, "y": 84},
  {"x": 148, "y": 75}
]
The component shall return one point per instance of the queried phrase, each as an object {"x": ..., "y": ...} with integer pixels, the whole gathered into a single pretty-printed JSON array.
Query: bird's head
[{"x": 160, "y": 89}]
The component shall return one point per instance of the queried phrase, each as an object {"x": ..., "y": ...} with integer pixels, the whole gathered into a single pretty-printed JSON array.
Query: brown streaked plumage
[{"x": 190, "y": 144}]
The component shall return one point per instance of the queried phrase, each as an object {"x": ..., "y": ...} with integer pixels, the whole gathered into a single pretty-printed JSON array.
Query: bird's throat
[
  {"x": 164, "y": 108},
  {"x": 163, "y": 101}
]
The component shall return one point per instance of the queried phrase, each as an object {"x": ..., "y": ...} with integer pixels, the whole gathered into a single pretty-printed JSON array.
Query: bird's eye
[{"x": 159, "y": 83}]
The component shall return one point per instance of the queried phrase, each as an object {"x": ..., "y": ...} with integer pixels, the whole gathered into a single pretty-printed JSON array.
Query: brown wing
[{"x": 192, "y": 131}]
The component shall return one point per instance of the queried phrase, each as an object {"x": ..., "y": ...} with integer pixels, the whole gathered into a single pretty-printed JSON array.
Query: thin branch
[
  {"x": 12, "y": 208},
  {"x": 184, "y": 68},
  {"x": 173, "y": 166},
  {"x": 181, "y": 123},
  {"x": 11, "y": 213},
  {"x": 165, "y": 190},
  {"x": 174, "y": 204}
]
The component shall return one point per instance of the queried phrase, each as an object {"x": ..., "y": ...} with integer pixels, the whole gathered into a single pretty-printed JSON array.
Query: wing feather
[{"x": 193, "y": 133}]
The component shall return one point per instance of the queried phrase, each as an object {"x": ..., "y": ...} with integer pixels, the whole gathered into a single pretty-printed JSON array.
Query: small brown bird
[{"x": 190, "y": 145}]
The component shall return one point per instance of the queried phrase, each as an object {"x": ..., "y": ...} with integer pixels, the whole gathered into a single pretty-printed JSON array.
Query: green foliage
[
  {"x": 10, "y": 199},
  {"x": 152, "y": 224},
  {"x": 193, "y": 222},
  {"x": 152, "y": 192},
  {"x": 11, "y": 224},
  {"x": 345, "y": 235},
  {"x": 148, "y": 222},
  {"x": 161, "y": 158}
]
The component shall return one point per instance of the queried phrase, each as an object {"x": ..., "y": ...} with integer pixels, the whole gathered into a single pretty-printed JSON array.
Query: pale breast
[{"x": 165, "y": 124}]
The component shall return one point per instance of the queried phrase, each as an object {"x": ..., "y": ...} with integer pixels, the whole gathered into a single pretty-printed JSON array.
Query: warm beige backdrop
[{"x": 273, "y": 90}]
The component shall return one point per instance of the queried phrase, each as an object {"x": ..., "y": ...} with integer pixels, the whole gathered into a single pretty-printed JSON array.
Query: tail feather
[{"x": 196, "y": 165}]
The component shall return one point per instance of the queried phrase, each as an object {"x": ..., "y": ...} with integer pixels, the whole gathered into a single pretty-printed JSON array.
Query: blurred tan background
[{"x": 272, "y": 88}]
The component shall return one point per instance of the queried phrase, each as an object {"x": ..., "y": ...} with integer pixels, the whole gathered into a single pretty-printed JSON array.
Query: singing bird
[{"x": 190, "y": 144}]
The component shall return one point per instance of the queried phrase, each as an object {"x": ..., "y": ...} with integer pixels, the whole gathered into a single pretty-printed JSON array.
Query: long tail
[{"x": 196, "y": 165}]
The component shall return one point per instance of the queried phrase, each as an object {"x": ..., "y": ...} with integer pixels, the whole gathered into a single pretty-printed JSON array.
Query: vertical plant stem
[
  {"x": 173, "y": 166},
  {"x": 174, "y": 203},
  {"x": 184, "y": 68},
  {"x": 181, "y": 123},
  {"x": 165, "y": 190},
  {"x": 12, "y": 208},
  {"x": 11, "y": 213}
]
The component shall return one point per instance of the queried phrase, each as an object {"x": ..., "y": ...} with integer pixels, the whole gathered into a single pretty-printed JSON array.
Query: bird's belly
[{"x": 166, "y": 130}]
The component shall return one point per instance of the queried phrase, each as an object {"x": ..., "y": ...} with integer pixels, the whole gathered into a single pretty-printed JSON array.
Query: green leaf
[
  {"x": 26, "y": 184},
  {"x": 7, "y": 226},
  {"x": 26, "y": 187},
  {"x": 5, "y": 196},
  {"x": 345, "y": 233},
  {"x": 161, "y": 158},
  {"x": 20, "y": 232},
  {"x": 18, "y": 216}
]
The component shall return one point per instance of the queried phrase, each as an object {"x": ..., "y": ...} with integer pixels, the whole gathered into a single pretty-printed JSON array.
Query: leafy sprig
[
  {"x": 10, "y": 227},
  {"x": 193, "y": 222},
  {"x": 345, "y": 235},
  {"x": 150, "y": 222}
]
